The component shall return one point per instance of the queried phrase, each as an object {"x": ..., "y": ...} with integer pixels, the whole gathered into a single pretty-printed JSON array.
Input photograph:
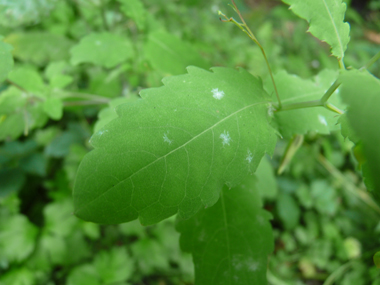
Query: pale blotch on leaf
[
  {"x": 166, "y": 139},
  {"x": 249, "y": 156},
  {"x": 322, "y": 119},
  {"x": 217, "y": 94},
  {"x": 225, "y": 137}
]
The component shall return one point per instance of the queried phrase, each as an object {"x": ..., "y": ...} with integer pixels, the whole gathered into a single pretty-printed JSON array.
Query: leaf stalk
[{"x": 244, "y": 27}]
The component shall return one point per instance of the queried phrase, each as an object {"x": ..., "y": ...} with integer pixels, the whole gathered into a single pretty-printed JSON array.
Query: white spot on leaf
[
  {"x": 225, "y": 137},
  {"x": 270, "y": 110},
  {"x": 249, "y": 156},
  {"x": 322, "y": 119},
  {"x": 166, "y": 139},
  {"x": 217, "y": 94}
]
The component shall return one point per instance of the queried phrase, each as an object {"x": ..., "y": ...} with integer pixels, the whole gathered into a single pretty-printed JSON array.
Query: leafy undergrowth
[{"x": 78, "y": 66}]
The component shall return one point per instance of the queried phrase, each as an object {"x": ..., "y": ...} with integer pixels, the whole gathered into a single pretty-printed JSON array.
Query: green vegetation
[{"x": 148, "y": 142}]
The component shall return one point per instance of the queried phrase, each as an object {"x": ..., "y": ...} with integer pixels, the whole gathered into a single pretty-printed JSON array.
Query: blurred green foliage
[{"x": 61, "y": 90}]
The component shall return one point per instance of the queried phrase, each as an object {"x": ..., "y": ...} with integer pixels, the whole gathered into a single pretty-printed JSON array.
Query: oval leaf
[{"x": 173, "y": 151}]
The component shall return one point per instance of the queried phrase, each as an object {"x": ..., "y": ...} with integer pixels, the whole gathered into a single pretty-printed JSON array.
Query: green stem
[
  {"x": 244, "y": 27},
  {"x": 341, "y": 64},
  {"x": 349, "y": 186},
  {"x": 83, "y": 103},
  {"x": 331, "y": 107},
  {"x": 338, "y": 272},
  {"x": 84, "y": 96},
  {"x": 371, "y": 61},
  {"x": 330, "y": 91},
  {"x": 103, "y": 15},
  {"x": 301, "y": 105}
]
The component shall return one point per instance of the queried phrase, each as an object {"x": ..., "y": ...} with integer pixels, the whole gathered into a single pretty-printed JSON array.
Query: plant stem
[
  {"x": 348, "y": 186},
  {"x": 83, "y": 103},
  {"x": 244, "y": 27},
  {"x": 301, "y": 105},
  {"x": 85, "y": 96},
  {"x": 309, "y": 104},
  {"x": 331, "y": 107},
  {"x": 371, "y": 61},
  {"x": 338, "y": 272},
  {"x": 104, "y": 19},
  {"x": 330, "y": 91}
]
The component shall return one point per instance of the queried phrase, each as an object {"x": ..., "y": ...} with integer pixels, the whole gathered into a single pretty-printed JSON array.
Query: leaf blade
[
  {"x": 230, "y": 241},
  {"x": 183, "y": 145},
  {"x": 326, "y": 18}
]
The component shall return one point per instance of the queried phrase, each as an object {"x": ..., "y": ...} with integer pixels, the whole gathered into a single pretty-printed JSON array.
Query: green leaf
[
  {"x": 6, "y": 59},
  {"x": 326, "y": 19},
  {"x": 135, "y": 10},
  {"x": 28, "y": 79},
  {"x": 170, "y": 54},
  {"x": 266, "y": 182},
  {"x": 53, "y": 107},
  {"x": 173, "y": 150},
  {"x": 114, "y": 265},
  {"x": 16, "y": 13},
  {"x": 288, "y": 210},
  {"x": 17, "y": 238},
  {"x": 84, "y": 274},
  {"x": 18, "y": 276},
  {"x": 109, "y": 267},
  {"x": 108, "y": 114},
  {"x": 18, "y": 115},
  {"x": 11, "y": 181},
  {"x": 293, "y": 89},
  {"x": 376, "y": 259},
  {"x": 104, "y": 49},
  {"x": 230, "y": 242},
  {"x": 361, "y": 91},
  {"x": 59, "y": 220},
  {"x": 39, "y": 47}
]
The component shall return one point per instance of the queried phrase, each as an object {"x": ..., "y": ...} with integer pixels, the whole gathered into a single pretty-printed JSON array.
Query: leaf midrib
[
  {"x": 170, "y": 152},
  {"x": 335, "y": 28}
]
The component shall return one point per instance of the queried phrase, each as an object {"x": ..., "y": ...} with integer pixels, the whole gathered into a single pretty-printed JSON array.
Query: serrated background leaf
[
  {"x": 39, "y": 47},
  {"x": 230, "y": 241},
  {"x": 293, "y": 89},
  {"x": 174, "y": 150},
  {"x": 361, "y": 91},
  {"x": 135, "y": 10},
  {"x": 15, "y": 13},
  {"x": 6, "y": 59},
  {"x": 171, "y": 55},
  {"x": 104, "y": 49},
  {"x": 326, "y": 19},
  {"x": 16, "y": 114}
]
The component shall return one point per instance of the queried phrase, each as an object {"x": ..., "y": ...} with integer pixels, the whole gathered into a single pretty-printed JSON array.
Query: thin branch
[
  {"x": 330, "y": 91},
  {"x": 371, "y": 61},
  {"x": 244, "y": 27},
  {"x": 83, "y": 103},
  {"x": 350, "y": 187}
]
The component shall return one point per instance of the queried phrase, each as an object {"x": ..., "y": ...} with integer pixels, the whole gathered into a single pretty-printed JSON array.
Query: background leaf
[
  {"x": 361, "y": 91},
  {"x": 170, "y": 54},
  {"x": 230, "y": 241},
  {"x": 326, "y": 19},
  {"x": 174, "y": 150},
  {"x": 39, "y": 47},
  {"x": 135, "y": 10},
  {"x": 104, "y": 49},
  {"x": 6, "y": 59},
  {"x": 15, "y": 13},
  {"x": 293, "y": 89}
]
